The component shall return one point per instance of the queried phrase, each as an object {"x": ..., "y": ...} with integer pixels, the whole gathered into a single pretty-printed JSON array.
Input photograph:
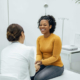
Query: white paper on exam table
[{"x": 69, "y": 47}]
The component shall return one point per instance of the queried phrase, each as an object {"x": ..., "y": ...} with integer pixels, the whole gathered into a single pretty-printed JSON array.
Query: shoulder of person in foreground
[
  {"x": 31, "y": 50},
  {"x": 5, "y": 49}
]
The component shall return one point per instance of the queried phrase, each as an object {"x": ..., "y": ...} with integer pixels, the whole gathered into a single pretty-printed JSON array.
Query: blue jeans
[{"x": 48, "y": 72}]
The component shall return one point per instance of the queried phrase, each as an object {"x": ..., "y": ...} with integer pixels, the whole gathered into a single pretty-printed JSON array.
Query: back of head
[{"x": 14, "y": 32}]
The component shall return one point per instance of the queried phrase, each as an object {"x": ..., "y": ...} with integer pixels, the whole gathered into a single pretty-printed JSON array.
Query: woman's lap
[{"x": 48, "y": 72}]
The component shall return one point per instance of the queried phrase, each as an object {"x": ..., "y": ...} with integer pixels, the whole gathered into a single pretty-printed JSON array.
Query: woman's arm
[
  {"x": 31, "y": 61},
  {"x": 56, "y": 52},
  {"x": 39, "y": 54}
]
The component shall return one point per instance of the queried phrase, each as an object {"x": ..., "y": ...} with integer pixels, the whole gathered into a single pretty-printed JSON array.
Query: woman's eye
[{"x": 40, "y": 25}]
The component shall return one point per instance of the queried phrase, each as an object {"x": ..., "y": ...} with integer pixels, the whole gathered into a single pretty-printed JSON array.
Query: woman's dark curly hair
[{"x": 51, "y": 21}]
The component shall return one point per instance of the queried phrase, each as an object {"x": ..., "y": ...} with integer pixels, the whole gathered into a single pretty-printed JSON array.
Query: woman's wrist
[{"x": 38, "y": 62}]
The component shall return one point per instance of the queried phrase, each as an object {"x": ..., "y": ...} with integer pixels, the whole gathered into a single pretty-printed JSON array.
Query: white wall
[
  {"x": 3, "y": 24},
  {"x": 27, "y": 12},
  {"x": 65, "y": 9},
  {"x": 75, "y": 22}
]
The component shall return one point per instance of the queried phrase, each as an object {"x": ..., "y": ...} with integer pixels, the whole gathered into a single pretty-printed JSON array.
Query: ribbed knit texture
[{"x": 49, "y": 49}]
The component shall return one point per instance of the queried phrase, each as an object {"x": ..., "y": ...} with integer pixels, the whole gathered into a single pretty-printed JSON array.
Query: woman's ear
[
  {"x": 22, "y": 34},
  {"x": 50, "y": 26}
]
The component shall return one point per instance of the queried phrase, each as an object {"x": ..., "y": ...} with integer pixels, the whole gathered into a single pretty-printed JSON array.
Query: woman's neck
[
  {"x": 47, "y": 35},
  {"x": 21, "y": 41}
]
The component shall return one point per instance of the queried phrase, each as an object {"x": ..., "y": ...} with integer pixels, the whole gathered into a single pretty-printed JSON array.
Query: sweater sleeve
[
  {"x": 39, "y": 54},
  {"x": 57, "y": 45}
]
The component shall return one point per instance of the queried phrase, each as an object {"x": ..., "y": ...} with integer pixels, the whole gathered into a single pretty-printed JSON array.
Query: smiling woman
[
  {"x": 47, "y": 25},
  {"x": 44, "y": 27},
  {"x": 48, "y": 50}
]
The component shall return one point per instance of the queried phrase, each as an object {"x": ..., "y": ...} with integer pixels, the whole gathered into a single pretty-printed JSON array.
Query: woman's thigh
[{"x": 49, "y": 72}]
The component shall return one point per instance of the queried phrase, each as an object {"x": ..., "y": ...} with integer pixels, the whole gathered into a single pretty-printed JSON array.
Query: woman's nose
[{"x": 42, "y": 26}]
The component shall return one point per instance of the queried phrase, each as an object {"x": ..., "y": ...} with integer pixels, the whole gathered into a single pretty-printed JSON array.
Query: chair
[{"x": 7, "y": 77}]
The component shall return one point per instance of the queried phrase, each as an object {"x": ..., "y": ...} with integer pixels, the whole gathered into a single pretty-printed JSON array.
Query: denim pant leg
[
  {"x": 49, "y": 72},
  {"x": 41, "y": 67}
]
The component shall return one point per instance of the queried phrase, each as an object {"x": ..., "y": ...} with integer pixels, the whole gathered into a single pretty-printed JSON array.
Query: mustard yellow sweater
[{"x": 48, "y": 50}]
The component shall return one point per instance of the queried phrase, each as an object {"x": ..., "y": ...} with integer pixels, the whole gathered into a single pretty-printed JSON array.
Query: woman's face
[{"x": 44, "y": 26}]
